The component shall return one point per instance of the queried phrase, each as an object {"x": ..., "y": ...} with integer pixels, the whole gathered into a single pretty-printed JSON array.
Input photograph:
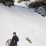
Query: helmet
[{"x": 14, "y": 32}]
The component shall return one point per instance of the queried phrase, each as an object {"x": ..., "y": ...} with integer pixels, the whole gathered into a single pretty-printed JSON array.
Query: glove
[{"x": 14, "y": 41}]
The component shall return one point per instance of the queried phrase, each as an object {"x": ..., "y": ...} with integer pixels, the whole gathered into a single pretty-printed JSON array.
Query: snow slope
[{"x": 25, "y": 22}]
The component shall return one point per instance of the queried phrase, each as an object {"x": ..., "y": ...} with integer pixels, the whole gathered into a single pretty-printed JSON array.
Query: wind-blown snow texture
[{"x": 25, "y": 23}]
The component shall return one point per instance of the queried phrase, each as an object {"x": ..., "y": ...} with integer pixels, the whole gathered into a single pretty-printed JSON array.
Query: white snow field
[{"x": 25, "y": 22}]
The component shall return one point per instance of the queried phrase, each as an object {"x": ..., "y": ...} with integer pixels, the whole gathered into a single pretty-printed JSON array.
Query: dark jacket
[{"x": 16, "y": 39}]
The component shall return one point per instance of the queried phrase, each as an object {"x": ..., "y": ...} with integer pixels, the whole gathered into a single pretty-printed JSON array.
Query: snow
[
  {"x": 24, "y": 3},
  {"x": 25, "y": 22}
]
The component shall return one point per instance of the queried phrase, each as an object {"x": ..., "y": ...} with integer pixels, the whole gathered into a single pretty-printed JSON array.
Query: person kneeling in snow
[{"x": 15, "y": 39}]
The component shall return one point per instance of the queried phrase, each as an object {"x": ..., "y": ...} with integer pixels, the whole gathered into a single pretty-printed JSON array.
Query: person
[{"x": 15, "y": 39}]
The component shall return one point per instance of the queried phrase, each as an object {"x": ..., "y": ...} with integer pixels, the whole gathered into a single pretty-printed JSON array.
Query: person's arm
[{"x": 17, "y": 39}]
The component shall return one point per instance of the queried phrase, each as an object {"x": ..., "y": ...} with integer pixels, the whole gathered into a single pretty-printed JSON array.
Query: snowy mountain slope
[{"x": 25, "y": 23}]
